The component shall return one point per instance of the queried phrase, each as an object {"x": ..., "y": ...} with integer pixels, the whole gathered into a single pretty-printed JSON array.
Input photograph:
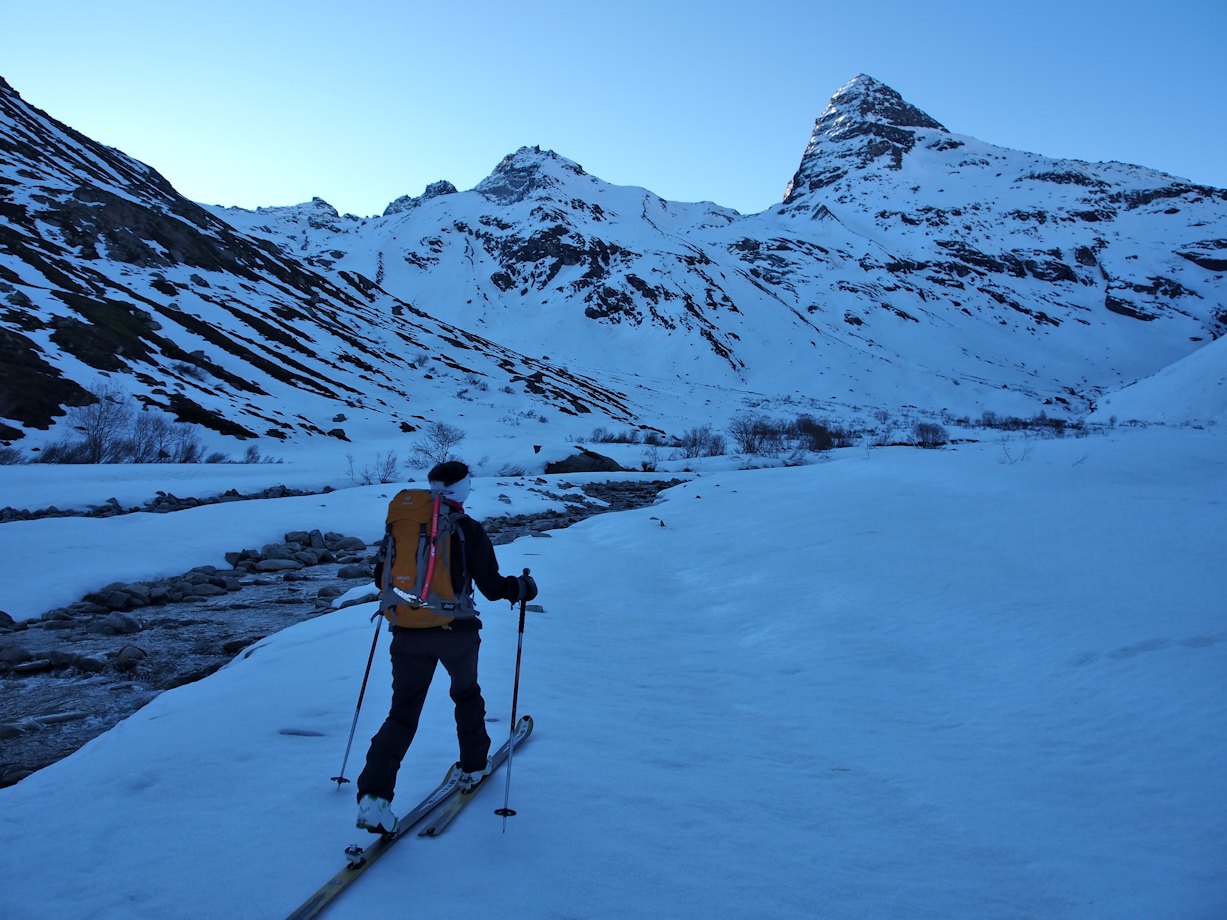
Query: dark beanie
[{"x": 448, "y": 473}]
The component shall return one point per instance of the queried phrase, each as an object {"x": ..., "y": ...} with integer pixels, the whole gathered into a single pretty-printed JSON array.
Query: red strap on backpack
[{"x": 434, "y": 540}]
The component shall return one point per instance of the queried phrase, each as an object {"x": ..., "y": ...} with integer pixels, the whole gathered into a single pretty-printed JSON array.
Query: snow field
[{"x": 899, "y": 683}]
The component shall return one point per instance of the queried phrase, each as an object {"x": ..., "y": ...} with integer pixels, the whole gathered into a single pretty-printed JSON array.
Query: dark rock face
[
  {"x": 867, "y": 120},
  {"x": 407, "y": 203},
  {"x": 586, "y": 461},
  {"x": 521, "y": 174},
  {"x": 126, "y": 268}
]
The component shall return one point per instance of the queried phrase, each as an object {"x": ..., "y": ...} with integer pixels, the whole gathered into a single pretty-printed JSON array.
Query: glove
[{"x": 526, "y": 587}]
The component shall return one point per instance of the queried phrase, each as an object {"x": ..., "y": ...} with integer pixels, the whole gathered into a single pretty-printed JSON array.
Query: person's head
[{"x": 451, "y": 480}]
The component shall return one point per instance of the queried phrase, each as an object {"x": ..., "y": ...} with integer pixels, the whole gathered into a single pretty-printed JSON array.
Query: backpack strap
[
  {"x": 383, "y": 572},
  {"x": 466, "y": 584},
  {"x": 423, "y": 591}
]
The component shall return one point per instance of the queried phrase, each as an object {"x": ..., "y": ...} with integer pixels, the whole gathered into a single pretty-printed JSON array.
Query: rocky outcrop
[
  {"x": 406, "y": 203},
  {"x": 523, "y": 173},
  {"x": 163, "y": 503},
  {"x": 584, "y": 461},
  {"x": 865, "y": 121}
]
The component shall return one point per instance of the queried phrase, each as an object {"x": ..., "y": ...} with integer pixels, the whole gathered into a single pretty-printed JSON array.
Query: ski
[
  {"x": 360, "y": 858},
  {"x": 445, "y": 815}
]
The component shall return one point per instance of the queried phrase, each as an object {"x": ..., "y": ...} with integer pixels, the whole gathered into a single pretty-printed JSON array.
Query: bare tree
[
  {"x": 150, "y": 438},
  {"x": 103, "y": 425},
  {"x": 436, "y": 444}
]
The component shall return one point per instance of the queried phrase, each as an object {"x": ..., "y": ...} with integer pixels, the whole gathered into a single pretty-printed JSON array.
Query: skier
[{"x": 417, "y": 651}]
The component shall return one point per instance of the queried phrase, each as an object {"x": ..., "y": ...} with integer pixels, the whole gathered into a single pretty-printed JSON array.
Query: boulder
[
  {"x": 129, "y": 657},
  {"x": 40, "y": 665},
  {"x": 276, "y": 551},
  {"x": 94, "y": 664},
  {"x": 277, "y": 565},
  {"x": 120, "y": 624},
  {"x": 208, "y": 589},
  {"x": 14, "y": 654},
  {"x": 356, "y": 599},
  {"x": 347, "y": 544},
  {"x": 585, "y": 461}
]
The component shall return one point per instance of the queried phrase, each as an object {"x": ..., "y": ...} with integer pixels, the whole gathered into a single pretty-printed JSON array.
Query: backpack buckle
[{"x": 412, "y": 599}]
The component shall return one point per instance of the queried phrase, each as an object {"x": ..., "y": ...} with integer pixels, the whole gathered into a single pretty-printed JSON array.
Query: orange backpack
[{"x": 415, "y": 575}]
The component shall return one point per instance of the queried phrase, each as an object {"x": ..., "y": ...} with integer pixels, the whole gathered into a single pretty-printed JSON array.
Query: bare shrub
[
  {"x": 382, "y": 470},
  {"x": 601, "y": 435},
  {"x": 929, "y": 435},
  {"x": 810, "y": 434},
  {"x": 1012, "y": 453},
  {"x": 701, "y": 442},
  {"x": 757, "y": 434},
  {"x": 435, "y": 446}
]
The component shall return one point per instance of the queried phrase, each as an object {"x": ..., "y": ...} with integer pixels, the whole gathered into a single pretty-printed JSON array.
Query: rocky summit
[{"x": 906, "y": 266}]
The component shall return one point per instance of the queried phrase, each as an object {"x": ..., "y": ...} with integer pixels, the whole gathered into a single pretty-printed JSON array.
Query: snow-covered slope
[
  {"x": 107, "y": 273},
  {"x": 990, "y": 691},
  {"x": 1191, "y": 391},
  {"x": 907, "y": 267}
]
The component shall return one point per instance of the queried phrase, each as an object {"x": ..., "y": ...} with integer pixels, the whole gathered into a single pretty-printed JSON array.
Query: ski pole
[
  {"x": 339, "y": 779},
  {"x": 507, "y": 811}
]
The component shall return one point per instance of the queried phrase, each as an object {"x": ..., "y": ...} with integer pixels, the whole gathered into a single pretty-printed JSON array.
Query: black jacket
[{"x": 480, "y": 563}]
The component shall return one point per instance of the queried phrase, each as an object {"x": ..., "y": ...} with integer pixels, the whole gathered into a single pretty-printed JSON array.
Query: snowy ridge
[
  {"x": 907, "y": 268},
  {"x": 106, "y": 272}
]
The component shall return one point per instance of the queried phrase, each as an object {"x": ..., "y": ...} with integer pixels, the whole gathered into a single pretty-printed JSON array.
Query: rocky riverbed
[{"x": 73, "y": 673}]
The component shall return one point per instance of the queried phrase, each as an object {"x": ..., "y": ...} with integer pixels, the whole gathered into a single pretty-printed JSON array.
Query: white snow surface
[
  {"x": 899, "y": 683},
  {"x": 1191, "y": 391}
]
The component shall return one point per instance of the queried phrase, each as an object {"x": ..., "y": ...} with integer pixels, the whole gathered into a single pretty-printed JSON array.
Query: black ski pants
[{"x": 415, "y": 655}]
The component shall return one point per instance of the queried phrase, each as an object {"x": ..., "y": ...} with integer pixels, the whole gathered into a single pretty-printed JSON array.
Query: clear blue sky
[{"x": 266, "y": 102}]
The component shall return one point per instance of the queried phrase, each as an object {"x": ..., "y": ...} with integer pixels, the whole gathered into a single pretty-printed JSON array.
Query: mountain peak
[
  {"x": 408, "y": 202},
  {"x": 864, "y": 100},
  {"x": 865, "y": 120},
  {"x": 527, "y": 170}
]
